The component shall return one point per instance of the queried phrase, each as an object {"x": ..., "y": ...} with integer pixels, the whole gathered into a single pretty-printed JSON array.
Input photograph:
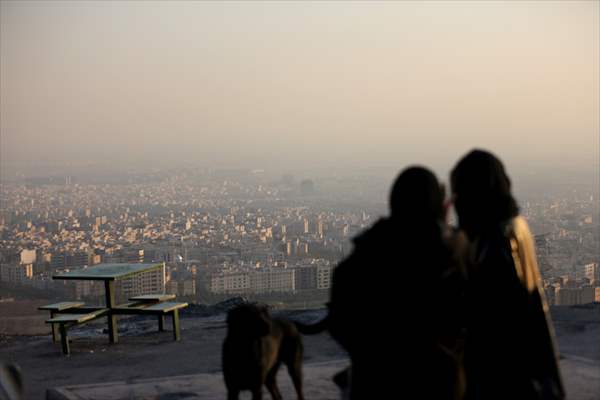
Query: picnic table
[{"x": 65, "y": 314}]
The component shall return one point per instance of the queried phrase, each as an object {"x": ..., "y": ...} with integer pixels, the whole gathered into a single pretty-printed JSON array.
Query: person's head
[
  {"x": 417, "y": 196},
  {"x": 481, "y": 191}
]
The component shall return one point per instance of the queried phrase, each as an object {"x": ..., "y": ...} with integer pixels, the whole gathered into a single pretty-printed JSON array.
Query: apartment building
[
  {"x": 16, "y": 273},
  {"x": 148, "y": 282}
]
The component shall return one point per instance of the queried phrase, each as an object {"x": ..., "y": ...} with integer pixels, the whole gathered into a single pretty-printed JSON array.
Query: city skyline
[{"x": 163, "y": 163}]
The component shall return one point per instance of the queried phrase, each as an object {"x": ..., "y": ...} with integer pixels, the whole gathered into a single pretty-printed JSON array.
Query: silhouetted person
[
  {"x": 396, "y": 300},
  {"x": 510, "y": 351}
]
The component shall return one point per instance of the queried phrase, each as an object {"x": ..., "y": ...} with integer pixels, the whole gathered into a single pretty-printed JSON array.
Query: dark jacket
[
  {"x": 510, "y": 351},
  {"x": 396, "y": 307}
]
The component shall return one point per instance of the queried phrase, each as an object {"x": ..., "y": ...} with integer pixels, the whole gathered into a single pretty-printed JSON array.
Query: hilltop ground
[{"x": 144, "y": 353}]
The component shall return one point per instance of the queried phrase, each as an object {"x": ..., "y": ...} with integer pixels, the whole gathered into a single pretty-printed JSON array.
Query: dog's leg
[
  {"x": 342, "y": 380},
  {"x": 295, "y": 370},
  {"x": 233, "y": 394},
  {"x": 271, "y": 383},
  {"x": 294, "y": 365},
  {"x": 257, "y": 393}
]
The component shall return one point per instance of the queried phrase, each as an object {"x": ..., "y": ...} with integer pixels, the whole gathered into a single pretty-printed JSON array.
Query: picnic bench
[
  {"x": 142, "y": 305},
  {"x": 158, "y": 308},
  {"x": 67, "y": 314},
  {"x": 62, "y": 307},
  {"x": 66, "y": 321}
]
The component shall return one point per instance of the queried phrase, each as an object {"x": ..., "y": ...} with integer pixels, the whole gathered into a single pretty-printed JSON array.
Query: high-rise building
[
  {"x": 573, "y": 296},
  {"x": 319, "y": 227},
  {"x": 84, "y": 289},
  {"x": 16, "y": 273},
  {"x": 306, "y": 277},
  {"x": 272, "y": 280},
  {"x": 149, "y": 282},
  {"x": 567, "y": 296},
  {"x": 219, "y": 283},
  {"x": 28, "y": 256},
  {"x": 324, "y": 276},
  {"x": 592, "y": 272}
]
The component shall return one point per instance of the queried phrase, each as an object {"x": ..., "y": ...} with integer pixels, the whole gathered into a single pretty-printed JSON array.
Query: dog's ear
[
  {"x": 251, "y": 320},
  {"x": 262, "y": 324},
  {"x": 265, "y": 310},
  {"x": 230, "y": 316},
  {"x": 236, "y": 317}
]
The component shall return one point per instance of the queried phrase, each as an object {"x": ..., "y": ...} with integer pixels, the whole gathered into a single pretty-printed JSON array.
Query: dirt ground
[
  {"x": 142, "y": 352},
  {"x": 21, "y": 317}
]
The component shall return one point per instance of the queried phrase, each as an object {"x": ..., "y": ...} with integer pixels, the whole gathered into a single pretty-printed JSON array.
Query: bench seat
[
  {"x": 168, "y": 307},
  {"x": 153, "y": 297},
  {"x": 64, "y": 305},
  {"x": 64, "y": 321},
  {"x": 163, "y": 308},
  {"x": 159, "y": 309},
  {"x": 76, "y": 318}
]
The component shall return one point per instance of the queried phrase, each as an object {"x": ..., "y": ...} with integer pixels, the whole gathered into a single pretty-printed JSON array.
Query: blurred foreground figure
[
  {"x": 11, "y": 383},
  {"x": 510, "y": 352},
  {"x": 396, "y": 301}
]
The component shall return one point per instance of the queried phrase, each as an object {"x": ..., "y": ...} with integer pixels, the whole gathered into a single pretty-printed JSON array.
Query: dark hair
[
  {"x": 482, "y": 191},
  {"x": 417, "y": 195}
]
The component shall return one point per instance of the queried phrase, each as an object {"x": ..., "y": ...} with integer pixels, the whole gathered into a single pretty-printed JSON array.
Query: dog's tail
[{"x": 313, "y": 329}]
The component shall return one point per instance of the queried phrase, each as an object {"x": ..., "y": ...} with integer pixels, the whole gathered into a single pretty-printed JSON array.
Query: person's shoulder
[
  {"x": 364, "y": 245},
  {"x": 381, "y": 228}
]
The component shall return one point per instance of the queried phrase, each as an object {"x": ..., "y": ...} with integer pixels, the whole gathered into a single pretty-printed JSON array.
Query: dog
[{"x": 255, "y": 347}]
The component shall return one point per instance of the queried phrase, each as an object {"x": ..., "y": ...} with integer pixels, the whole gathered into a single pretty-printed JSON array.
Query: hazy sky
[{"x": 296, "y": 84}]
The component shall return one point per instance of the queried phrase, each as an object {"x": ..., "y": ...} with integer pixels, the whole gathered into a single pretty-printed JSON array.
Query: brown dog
[{"x": 255, "y": 347}]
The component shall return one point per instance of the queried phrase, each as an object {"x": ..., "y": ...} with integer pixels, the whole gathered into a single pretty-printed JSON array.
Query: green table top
[{"x": 107, "y": 272}]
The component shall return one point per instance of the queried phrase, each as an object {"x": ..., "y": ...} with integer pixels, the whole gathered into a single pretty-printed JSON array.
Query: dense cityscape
[
  {"x": 222, "y": 233},
  {"x": 389, "y": 198}
]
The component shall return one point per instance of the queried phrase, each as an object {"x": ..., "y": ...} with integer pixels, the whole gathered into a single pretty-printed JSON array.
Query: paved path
[{"x": 318, "y": 386}]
